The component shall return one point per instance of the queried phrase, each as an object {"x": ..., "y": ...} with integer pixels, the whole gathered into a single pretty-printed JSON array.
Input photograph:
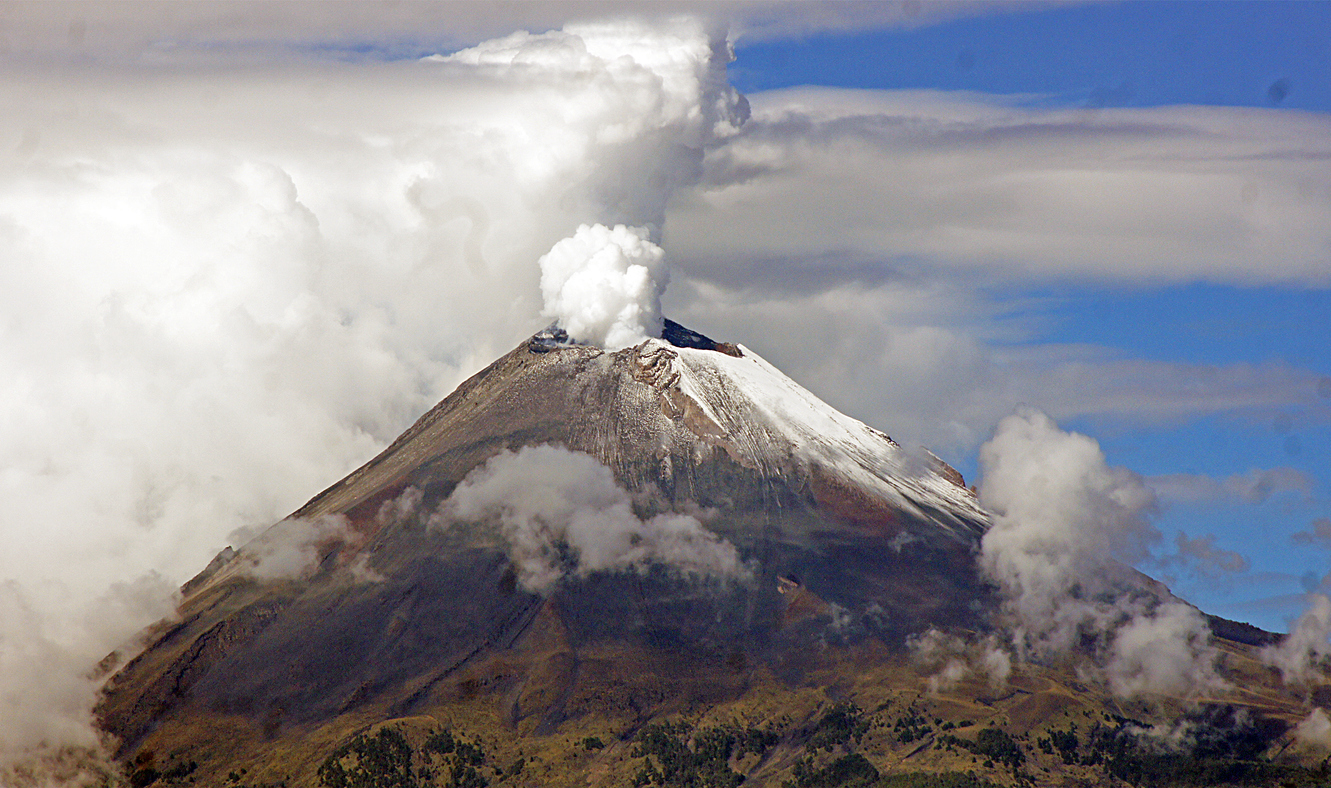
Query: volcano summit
[{"x": 582, "y": 559}]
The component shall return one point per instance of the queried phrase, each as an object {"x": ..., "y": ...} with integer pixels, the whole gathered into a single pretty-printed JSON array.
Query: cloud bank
[
  {"x": 136, "y": 30},
  {"x": 562, "y": 514},
  {"x": 1005, "y": 186},
  {"x": 228, "y": 285},
  {"x": 858, "y": 237}
]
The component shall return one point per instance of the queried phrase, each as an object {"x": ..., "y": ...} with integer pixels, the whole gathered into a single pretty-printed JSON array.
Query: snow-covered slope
[
  {"x": 696, "y": 421},
  {"x": 766, "y": 419}
]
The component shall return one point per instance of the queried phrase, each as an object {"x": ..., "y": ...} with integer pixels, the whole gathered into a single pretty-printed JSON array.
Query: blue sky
[
  {"x": 1270, "y": 55},
  {"x": 1101, "y": 54}
]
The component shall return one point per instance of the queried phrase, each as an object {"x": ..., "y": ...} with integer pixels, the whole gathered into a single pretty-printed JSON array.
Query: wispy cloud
[
  {"x": 914, "y": 180},
  {"x": 1253, "y": 487}
]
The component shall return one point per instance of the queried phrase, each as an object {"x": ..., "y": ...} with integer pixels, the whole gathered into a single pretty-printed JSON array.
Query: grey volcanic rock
[{"x": 401, "y": 598}]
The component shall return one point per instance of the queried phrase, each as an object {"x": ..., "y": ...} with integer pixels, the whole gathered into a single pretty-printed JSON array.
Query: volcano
[{"x": 382, "y": 614}]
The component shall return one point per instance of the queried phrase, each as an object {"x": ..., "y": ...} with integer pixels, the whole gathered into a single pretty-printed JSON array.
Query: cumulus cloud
[
  {"x": 1062, "y": 517},
  {"x": 1298, "y": 655},
  {"x": 1164, "y": 652},
  {"x": 1063, "y": 521},
  {"x": 603, "y": 285},
  {"x": 562, "y": 513}
]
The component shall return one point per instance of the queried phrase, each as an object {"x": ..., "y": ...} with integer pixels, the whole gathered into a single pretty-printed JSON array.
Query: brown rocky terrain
[{"x": 406, "y": 645}]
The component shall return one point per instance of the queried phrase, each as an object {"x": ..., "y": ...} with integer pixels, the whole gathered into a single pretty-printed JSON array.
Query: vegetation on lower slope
[
  {"x": 866, "y": 724},
  {"x": 826, "y": 752}
]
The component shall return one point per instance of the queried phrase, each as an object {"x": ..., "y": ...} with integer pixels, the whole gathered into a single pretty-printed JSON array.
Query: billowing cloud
[
  {"x": 1062, "y": 518},
  {"x": 227, "y": 286},
  {"x": 561, "y": 513},
  {"x": 1063, "y": 521},
  {"x": 1164, "y": 652},
  {"x": 662, "y": 101}
]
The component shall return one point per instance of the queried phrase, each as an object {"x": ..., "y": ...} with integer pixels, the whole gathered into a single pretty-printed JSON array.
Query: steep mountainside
[{"x": 378, "y": 601}]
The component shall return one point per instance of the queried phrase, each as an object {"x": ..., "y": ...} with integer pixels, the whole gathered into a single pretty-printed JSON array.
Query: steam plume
[
  {"x": 950, "y": 659},
  {"x": 1297, "y": 654},
  {"x": 664, "y": 101},
  {"x": 603, "y": 285}
]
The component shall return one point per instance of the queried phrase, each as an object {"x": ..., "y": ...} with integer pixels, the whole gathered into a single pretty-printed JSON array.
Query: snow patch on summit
[{"x": 768, "y": 418}]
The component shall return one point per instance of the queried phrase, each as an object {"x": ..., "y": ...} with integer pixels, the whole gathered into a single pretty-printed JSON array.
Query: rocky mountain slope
[{"x": 774, "y": 569}]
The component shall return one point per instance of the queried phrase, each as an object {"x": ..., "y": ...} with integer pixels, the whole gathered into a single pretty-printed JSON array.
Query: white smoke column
[
  {"x": 1296, "y": 654},
  {"x": 1065, "y": 524},
  {"x": 666, "y": 101},
  {"x": 603, "y": 285},
  {"x": 562, "y": 511}
]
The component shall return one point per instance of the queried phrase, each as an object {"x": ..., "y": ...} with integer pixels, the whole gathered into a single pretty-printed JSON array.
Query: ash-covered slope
[{"x": 395, "y": 596}]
